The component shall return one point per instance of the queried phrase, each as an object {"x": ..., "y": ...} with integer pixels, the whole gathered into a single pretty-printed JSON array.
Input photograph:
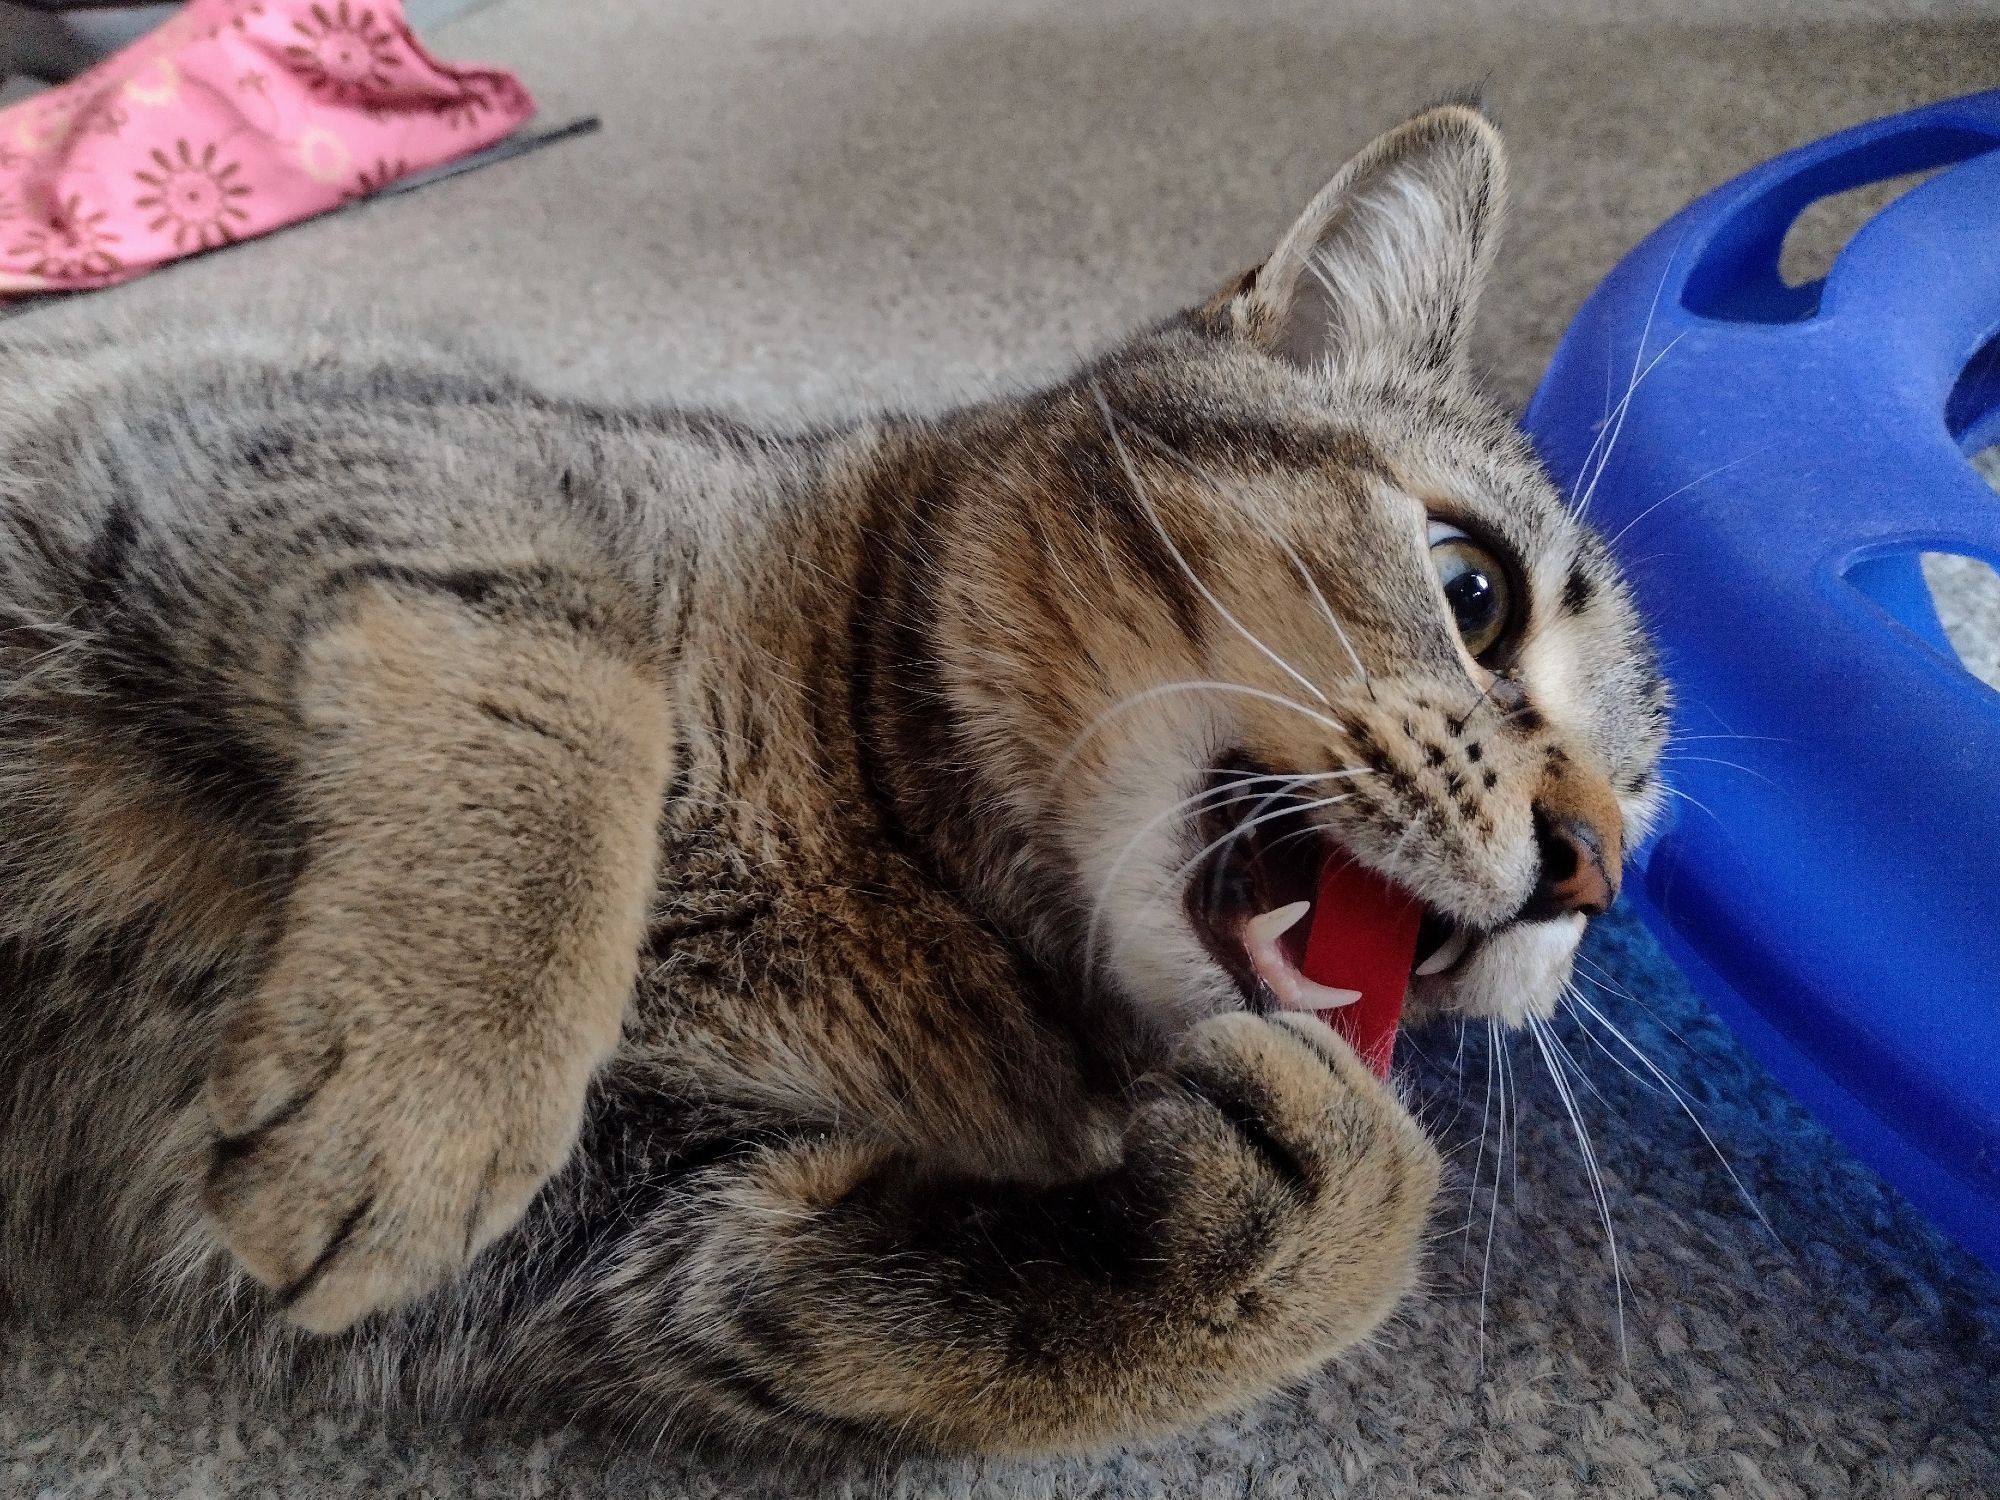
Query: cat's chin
[{"x": 1512, "y": 976}]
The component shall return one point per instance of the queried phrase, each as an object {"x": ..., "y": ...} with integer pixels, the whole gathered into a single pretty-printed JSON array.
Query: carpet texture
[{"x": 799, "y": 207}]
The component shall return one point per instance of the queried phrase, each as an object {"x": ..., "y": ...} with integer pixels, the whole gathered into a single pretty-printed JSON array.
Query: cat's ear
[{"x": 1387, "y": 261}]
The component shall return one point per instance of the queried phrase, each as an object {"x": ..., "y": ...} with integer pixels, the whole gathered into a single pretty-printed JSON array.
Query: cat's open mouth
[{"x": 1251, "y": 902}]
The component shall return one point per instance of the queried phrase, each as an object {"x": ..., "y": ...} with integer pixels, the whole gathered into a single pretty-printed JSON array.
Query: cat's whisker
[
  {"x": 1513, "y": 1115},
  {"x": 1180, "y": 560},
  {"x": 1244, "y": 827},
  {"x": 1618, "y": 426},
  {"x": 1538, "y": 1029},
  {"x": 1569, "y": 991},
  {"x": 1673, "y": 791},
  {"x": 1485, "y": 1122},
  {"x": 1769, "y": 739},
  {"x": 1458, "y": 724},
  {"x": 1577, "y": 998},
  {"x": 1575, "y": 1065},
  {"x": 1496, "y": 1052},
  {"x": 1600, "y": 979},
  {"x": 1174, "y": 880},
  {"x": 1674, "y": 494},
  {"x": 1160, "y": 446},
  {"x": 1710, "y": 760},
  {"x": 1202, "y": 801},
  {"x": 1166, "y": 689},
  {"x": 1645, "y": 332}
]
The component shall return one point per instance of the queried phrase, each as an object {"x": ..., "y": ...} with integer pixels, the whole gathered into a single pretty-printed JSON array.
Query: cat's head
[{"x": 1299, "y": 591}]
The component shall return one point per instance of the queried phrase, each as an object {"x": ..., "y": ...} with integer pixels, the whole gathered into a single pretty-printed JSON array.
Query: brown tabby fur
[{"x": 613, "y": 914}]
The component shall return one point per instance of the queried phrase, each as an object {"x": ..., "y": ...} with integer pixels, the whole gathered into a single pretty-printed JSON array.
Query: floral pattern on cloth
[{"x": 234, "y": 118}]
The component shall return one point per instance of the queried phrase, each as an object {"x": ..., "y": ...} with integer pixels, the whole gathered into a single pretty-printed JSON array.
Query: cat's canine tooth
[
  {"x": 1316, "y": 996},
  {"x": 1274, "y": 924},
  {"x": 1452, "y": 950}
]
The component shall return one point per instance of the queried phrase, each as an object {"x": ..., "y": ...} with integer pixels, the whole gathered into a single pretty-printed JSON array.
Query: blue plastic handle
[{"x": 1772, "y": 461}]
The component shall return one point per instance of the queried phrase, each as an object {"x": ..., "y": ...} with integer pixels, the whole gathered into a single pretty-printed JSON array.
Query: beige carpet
[{"x": 802, "y": 206}]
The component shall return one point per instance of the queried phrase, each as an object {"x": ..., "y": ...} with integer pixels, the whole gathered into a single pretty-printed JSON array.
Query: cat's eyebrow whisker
[
  {"x": 1167, "y": 689},
  {"x": 1139, "y": 493},
  {"x": 1676, "y": 493},
  {"x": 1618, "y": 420},
  {"x": 1639, "y": 353},
  {"x": 1538, "y": 1029},
  {"x": 1166, "y": 450}
]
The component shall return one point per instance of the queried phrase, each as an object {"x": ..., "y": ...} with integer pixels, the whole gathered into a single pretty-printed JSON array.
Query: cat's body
[{"x": 378, "y": 738}]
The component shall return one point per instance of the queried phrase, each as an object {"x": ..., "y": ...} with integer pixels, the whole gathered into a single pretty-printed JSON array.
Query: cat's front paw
[
  {"x": 1304, "y": 1168},
  {"x": 365, "y": 1152}
]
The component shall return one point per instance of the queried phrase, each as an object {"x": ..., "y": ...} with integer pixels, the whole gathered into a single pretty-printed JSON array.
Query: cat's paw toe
[
  {"x": 347, "y": 1187},
  {"x": 1306, "y": 1113}
]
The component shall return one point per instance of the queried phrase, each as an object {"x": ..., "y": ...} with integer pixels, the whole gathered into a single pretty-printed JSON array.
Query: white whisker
[
  {"x": 1513, "y": 1113},
  {"x": 1673, "y": 791},
  {"x": 1618, "y": 425},
  {"x": 1624, "y": 1067},
  {"x": 1769, "y": 739},
  {"x": 1495, "y": 1048},
  {"x": 1305, "y": 573},
  {"x": 1167, "y": 689},
  {"x": 1710, "y": 760},
  {"x": 1485, "y": 1122},
  {"x": 1608, "y": 428},
  {"x": 1538, "y": 1029},
  {"x": 1681, "y": 1099},
  {"x": 1244, "y": 827},
  {"x": 1139, "y": 493},
  {"x": 1619, "y": 535},
  {"x": 1199, "y": 801}
]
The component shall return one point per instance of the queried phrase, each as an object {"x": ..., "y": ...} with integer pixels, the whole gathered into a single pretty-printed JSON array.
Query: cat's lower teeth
[{"x": 1449, "y": 952}]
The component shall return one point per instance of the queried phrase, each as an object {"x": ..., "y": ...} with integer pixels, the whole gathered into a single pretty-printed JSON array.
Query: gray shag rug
[{"x": 799, "y": 207}]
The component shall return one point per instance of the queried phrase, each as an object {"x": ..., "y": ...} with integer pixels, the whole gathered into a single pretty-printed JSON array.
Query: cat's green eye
[{"x": 1477, "y": 586}]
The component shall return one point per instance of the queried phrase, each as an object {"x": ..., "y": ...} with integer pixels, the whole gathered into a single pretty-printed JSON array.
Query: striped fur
[{"x": 512, "y": 906}]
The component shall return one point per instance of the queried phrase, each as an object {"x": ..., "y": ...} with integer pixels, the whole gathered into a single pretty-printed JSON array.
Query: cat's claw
[{"x": 352, "y": 1173}]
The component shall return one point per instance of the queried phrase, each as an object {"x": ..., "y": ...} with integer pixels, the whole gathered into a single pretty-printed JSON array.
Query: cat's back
[{"x": 200, "y": 425}]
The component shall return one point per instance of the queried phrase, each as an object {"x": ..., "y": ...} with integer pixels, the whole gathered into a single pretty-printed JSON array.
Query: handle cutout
[{"x": 1740, "y": 277}]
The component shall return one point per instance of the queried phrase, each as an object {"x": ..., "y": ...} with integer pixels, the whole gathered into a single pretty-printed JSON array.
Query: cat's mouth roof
[{"x": 1251, "y": 896}]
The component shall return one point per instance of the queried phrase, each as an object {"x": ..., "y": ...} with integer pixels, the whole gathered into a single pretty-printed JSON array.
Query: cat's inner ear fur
[{"x": 1385, "y": 264}]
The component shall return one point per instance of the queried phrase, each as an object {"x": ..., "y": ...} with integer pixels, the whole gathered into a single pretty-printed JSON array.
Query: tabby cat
[{"x": 507, "y": 905}]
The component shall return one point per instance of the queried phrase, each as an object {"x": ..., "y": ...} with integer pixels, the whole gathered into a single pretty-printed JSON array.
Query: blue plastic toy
[{"x": 1771, "y": 461}]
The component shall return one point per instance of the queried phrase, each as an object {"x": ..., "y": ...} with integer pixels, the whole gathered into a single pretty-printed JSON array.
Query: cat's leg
[
  {"x": 1267, "y": 1212},
  {"x": 480, "y": 793}
]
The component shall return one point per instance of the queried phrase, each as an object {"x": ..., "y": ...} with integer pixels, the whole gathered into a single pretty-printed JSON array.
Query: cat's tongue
[{"x": 1363, "y": 937}]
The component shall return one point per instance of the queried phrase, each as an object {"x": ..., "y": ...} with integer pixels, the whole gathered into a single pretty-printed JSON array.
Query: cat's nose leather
[{"x": 1579, "y": 868}]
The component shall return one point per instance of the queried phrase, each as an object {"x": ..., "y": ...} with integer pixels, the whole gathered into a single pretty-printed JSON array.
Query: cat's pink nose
[{"x": 1578, "y": 872}]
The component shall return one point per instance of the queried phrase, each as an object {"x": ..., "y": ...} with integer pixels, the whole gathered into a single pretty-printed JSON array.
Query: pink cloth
[{"x": 234, "y": 118}]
